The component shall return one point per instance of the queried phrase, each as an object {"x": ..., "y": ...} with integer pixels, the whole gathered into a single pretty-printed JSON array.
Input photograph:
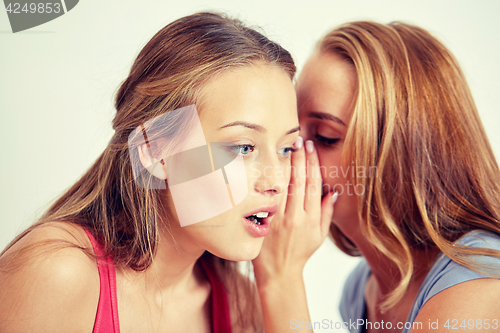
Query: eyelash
[
  {"x": 289, "y": 149},
  {"x": 326, "y": 141},
  {"x": 237, "y": 149}
]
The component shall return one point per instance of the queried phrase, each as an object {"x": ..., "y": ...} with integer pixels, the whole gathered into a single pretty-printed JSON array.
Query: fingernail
[
  {"x": 309, "y": 146},
  {"x": 299, "y": 142},
  {"x": 335, "y": 196}
]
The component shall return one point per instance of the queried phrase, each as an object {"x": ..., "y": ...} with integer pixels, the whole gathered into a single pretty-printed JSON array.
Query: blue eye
[
  {"x": 243, "y": 149},
  {"x": 286, "y": 151}
]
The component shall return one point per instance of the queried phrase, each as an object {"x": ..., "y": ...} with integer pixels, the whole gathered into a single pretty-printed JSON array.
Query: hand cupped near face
[{"x": 325, "y": 91}]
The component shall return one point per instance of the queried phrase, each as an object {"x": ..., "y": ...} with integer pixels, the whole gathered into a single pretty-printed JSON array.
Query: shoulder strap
[
  {"x": 221, "y": 318},
  {"x": 106, "y": 319}
]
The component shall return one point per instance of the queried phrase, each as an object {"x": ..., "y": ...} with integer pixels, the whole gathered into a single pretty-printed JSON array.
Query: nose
[{"x": 270, "y": 177}]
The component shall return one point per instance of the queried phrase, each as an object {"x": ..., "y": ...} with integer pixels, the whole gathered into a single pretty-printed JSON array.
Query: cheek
[
  {"x": 332, "y": 172},
  {"x": 336, "y": 177},
  {"x": 345, "y": 215}
]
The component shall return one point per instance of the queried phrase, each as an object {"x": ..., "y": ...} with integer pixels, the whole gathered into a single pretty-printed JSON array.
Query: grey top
[{"x": 444, "y": 273}]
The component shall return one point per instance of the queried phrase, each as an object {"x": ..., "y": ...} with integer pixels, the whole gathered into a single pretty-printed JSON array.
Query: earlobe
[{"x": 154, "y": 165}]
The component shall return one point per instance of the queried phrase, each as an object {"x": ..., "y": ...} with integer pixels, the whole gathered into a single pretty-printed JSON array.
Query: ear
[{"x": 151, "y": 161}]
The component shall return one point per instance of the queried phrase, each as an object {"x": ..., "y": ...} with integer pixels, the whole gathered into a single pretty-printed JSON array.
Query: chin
[{"x": 244, "y": 251}]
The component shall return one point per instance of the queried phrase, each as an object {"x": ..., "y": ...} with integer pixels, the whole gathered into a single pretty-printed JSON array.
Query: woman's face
[
  {"x": 253, "y": 111},
  {"x": 325, "y": 90}
]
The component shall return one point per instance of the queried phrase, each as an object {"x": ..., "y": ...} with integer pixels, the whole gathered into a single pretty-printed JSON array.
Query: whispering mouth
[{"x": 257, "y": 218}]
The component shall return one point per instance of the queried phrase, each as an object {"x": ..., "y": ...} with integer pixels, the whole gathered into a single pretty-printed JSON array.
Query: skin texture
[
  {"x": 297, "y": 232},
  {"x": 326, "y": 85},
  {"x": 319, "y": 97},
  {"x": 54, "y": 293},
  {"x": 304, "y": 224},
  {"x": 261, "y": 95},
  {"x": 63, "y": 287}
]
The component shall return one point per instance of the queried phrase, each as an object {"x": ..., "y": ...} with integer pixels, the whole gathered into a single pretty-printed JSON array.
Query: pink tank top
[{"x": 106, "y": 320}]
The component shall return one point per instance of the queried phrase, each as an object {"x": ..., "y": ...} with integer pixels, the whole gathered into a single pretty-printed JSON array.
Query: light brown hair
[
  {"x": 414, "y": 118},
  {"x": 169, "y": 73}
]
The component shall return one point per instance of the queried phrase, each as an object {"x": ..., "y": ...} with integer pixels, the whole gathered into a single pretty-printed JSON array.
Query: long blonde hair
[
  {"x": 168, "y": 73},
  {"x": 414, "y": 118}
]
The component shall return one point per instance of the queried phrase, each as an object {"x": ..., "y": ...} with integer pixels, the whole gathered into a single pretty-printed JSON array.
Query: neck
[
  {"x": 386, "y": 277},
  {"x": 172, "y": 272},
  {"x": 175, "y": 259},
  {"x": 385, "y": 273}
]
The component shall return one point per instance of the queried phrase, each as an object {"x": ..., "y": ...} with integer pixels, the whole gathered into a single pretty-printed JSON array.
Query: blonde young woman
[
  {"x": 419, "y": 195},
  {"x": 154, "y": 274}
]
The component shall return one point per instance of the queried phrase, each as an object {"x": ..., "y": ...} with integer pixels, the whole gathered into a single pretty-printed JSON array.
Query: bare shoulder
[
  {"x": 471, "y": 306},
  {"x": 47, "y": 283},
  {"x": 244, "y": 299}
]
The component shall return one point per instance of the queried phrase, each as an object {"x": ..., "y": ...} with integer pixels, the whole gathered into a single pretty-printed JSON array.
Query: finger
[
  {"x": 313, "y": 188},
  {"x": 327, "y": 211},
  {"x": 277, "y": 221},
  {"x": 296, "y": 188}
]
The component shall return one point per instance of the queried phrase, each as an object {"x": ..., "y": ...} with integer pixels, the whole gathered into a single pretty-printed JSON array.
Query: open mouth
[
  {"x": 257, "y": 222},
  {"x": 257, "y": 218}
]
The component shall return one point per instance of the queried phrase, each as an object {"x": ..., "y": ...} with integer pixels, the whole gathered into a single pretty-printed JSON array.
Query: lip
[{"x": 263, "y": 229}]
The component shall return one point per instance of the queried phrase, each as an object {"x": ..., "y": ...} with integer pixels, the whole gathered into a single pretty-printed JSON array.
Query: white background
[{"x": 58, "y": 80}]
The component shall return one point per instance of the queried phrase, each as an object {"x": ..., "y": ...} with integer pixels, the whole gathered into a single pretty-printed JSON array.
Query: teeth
[{"x": 254, "y": 219}]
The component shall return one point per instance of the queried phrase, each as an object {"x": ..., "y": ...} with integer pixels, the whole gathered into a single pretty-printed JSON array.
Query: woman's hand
[
  {"x": 303, "y": 226},
  {"x": 295, "y": 234}
]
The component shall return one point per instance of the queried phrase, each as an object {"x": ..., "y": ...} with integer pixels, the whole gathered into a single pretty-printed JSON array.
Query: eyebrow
[
  {"x": 256, "y": 127},
  {"x": 325, "y": 116},
  {"x": 293, "y": 130}
]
